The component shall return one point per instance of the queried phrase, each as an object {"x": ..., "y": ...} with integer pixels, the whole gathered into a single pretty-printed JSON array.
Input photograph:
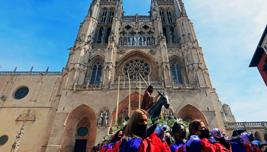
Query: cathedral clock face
[{"x": 136, "y": 67}]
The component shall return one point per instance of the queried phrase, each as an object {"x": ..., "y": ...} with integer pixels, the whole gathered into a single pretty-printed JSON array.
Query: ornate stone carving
[
  {"x": 152, "y": 51},
  {"x": 167, "y": 113},
  {"x": 27, "y": 115},
  {"x": 108, "y": 66},
  {"x": 137, "y": 34},
  {"x": 2, "y": 97},
  {"x": 81, "y": 37},
  {"x": 89, "y": 39},
  {"x": 121, "y": 51}
]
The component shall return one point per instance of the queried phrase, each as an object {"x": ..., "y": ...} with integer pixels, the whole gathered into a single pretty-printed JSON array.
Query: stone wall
[{"x": 31, "y": 115}]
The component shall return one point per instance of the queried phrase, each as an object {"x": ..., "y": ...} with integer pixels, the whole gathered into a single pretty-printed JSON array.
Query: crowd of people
[{"x": 136, "y": 136}]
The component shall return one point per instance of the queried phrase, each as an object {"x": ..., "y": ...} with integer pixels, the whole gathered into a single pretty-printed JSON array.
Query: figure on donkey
[
  {"x": 148, "y": 99},
  {"x": 153, "y": 105}
]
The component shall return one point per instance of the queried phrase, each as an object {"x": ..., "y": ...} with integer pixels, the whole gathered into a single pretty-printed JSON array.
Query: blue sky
[{"x": 38, "y": 33}]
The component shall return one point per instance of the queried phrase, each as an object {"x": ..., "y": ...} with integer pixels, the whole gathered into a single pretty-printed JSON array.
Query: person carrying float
[
  {"x": 218, "y": 139},
  {"x": 236, "y": 142},
  {"x": 155, "y": 142},
  {"x": 247, "y": 140},
  {"x": 133, "y": 134},
  {"x": 114, "y": 143},
  {"x": 199, "y": 138},
  {"x": 135, "y": 131},
  {"x": 179, "y": 133}
]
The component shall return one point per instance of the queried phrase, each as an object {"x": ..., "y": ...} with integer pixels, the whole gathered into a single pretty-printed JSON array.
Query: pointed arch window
[
  {"x": 107, "y": 34},
  {"x": 96, "y": 73},
  {"x": 172, "y": 34},
  {"x": 161, "y": 12},
  {"x": 165, "y": 34},
  {"x": 111, "y": 14},
  {"x": 169, "y": 15},
  {"x": 176, "y": 73},
  {"x": 100, "y": 35},
  {"x": 104, "y": 15}
]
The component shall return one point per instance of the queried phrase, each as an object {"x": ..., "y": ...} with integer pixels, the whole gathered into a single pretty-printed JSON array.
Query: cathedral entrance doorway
[
  {"x": 80, "y": 130},
  {"x": 80, "y": 145},
  {"x": 189, "y": 113}
]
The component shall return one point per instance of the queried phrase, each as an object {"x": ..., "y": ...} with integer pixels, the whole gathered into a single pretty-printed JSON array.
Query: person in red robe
[
  {"x": 222, "y": 145},
  {"x": 135, "y": 132},
  {"x": 155, "y": 142},
  {"x": 250, "y": 146},
  {"x": 199, "y": 138},
  {"x": 255, "y": 144},
  {"x": 114, "y": 143}
]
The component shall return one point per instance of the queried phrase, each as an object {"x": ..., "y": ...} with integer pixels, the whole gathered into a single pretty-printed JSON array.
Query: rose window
[{"x": 136, "y": 67}]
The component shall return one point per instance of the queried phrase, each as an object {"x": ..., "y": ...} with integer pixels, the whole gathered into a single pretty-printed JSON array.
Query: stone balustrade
[
  {"x": 137, "y": 41},
  {"x": 29, "y": 73},
  {"x": 136, "y": 84},
  {"x": 90, "y": 86},
  {"x": 135, "y": 18},
  {"x": 234, "y": 125}
]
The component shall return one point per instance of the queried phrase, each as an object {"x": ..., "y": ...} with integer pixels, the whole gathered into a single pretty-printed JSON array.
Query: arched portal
[
  {"x": 123, "y": 106},
  {"x": 80, "y": 130},
  {"x": 189, "y": 113}
]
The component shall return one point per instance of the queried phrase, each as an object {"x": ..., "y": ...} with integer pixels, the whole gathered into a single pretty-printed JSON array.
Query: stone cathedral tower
[
  {"x": 76, "y": 108},
  {"x": 161, "y": 47}
]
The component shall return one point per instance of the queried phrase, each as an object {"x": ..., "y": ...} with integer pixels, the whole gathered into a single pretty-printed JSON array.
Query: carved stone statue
[
  {"x": 167, "y": 113},
  {"x": 103, "y": 118},
  {"x": 89, "y": 39},
  {"x": 99, "y": 121}
]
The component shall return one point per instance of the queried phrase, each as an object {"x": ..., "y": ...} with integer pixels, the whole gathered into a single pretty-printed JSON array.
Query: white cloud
[
  {"x": 229, "y": 31},
  {"x": 250, "y": 109},
  {"x": 228, "y": 14}
]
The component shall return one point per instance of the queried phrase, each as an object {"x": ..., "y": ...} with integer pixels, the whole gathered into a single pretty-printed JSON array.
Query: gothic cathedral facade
[{"x": 113, "y": 58}]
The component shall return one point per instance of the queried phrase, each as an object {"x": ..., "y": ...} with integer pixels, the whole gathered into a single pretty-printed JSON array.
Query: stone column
[{"x": 165, "y": 62}]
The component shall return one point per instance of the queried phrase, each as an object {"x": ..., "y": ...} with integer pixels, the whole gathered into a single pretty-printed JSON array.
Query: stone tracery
[
  {"x": 137, "y": 36},
  {"x": 136, "y": 67}
]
